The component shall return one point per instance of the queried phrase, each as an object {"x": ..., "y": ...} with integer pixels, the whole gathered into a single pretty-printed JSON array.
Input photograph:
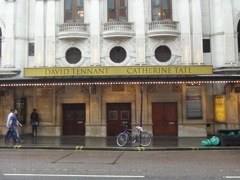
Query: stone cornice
[
  {"x": 10, "y": 1},
  {"x": 9, "y": 72}
]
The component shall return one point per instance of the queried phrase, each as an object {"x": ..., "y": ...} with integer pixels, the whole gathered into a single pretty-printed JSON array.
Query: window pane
[
  {"x": 166, "y": 10},
  {"x": 68, "y": 11},
  {"x": 74, "y": 11},
  {"x": 111, "y": 4},
  {"x": 111, "y": 10},
  {"x": 80, "y": 11},
  {"x": 80, "y": 3},
  {"x": 31, "y": 49},
  {"x": 117, "y": 10},
  {"x": 206, "y": 46},
  {"x": 123, "y": 10},
  {"x": 161, "y": 9},
  {"x": 156, "y": 11},
  {"x": 165, "y": 4}
]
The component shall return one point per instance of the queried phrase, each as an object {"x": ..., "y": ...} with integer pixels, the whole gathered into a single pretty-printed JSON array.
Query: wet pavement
[{"x": 109, "y": 143}]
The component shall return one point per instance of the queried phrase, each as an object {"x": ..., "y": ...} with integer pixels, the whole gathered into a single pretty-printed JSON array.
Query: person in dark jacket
[{"x": 34, "y": 122}]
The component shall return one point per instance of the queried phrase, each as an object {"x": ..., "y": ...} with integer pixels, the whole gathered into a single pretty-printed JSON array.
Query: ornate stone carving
[
  {"x": 63, "y": 45},
  {"x": 130, "y": 88},
  {"x": 151, "y": 88},
  {"x": 173, "y": 44}
]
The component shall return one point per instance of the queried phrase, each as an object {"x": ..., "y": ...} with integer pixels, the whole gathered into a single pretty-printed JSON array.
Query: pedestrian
[
  {"x": 34, "y": 122},
  {"x": 13, "y": 124},
  {"x": 7, "y": 137}
]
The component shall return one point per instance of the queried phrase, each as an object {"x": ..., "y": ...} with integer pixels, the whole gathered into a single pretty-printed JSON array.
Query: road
[{"x": 151, "y": 165}]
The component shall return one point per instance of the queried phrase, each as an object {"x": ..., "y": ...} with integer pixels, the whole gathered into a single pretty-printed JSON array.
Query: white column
[
  {"x": 229, "y": 32},
  {"x": 39, "y": 34},
  {"x": 95, "y": 32},
  {"x": 8, "y": 51},
  {"x": 184, "y": 18},
  {"x": 236, "y": 46},
  {"x": 197, "y": 32},
  {"x": 175, "y": 14},
  {"x": 217, "y": 29},
  {"x": 140, "y": 31},
  {"x": 21, "y": 51},
  {"x": 50, "y": 34}
]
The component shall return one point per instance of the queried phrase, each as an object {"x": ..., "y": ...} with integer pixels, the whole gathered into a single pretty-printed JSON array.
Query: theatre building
[{"x": 90, "y": 67}]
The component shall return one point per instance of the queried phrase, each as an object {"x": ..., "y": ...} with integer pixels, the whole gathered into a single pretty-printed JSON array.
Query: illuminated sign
[
  {"x": 220, "y": 108},
  {"x": 118, "y": 71}
]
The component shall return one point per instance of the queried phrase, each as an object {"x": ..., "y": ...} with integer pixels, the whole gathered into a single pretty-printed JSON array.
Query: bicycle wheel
[
  {"x": 122, "y": 139},
  {"x": 144, "y": 139}
]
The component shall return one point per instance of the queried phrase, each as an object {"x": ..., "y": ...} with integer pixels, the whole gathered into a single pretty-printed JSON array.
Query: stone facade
[{"x": 41, "y": 24}]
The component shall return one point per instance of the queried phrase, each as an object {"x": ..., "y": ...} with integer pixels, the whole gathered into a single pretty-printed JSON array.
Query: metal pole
[{"x": 141, "y": 105}]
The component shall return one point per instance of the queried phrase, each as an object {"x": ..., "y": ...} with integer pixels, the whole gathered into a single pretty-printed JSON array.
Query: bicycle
[{"x": 143, "y": 138}]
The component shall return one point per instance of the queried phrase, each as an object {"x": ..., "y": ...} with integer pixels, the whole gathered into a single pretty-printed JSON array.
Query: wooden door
[
  {"x": 118, "y": 115},
  {"x": 73, "y": 119},
  {"x": 164, "y": 117}
]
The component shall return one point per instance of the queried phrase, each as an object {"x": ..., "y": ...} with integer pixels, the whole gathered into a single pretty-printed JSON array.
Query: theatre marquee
[{"x": 118, "y": 71}]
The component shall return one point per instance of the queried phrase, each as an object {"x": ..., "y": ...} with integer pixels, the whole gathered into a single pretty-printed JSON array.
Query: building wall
[{"x": 26, "y": 21}]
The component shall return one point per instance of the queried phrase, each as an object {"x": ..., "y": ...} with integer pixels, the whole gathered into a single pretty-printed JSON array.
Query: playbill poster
[{"x": 194, "y": 102}]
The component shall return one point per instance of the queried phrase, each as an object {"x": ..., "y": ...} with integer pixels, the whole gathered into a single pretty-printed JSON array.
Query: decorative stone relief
[
  {"x": 164, "y": 88},
  {"x": 64, "y": 45},
  {"x": 130, "y": 88},
  {"x": 108, "y": 44},
  {"x": 177, "y": 88},
  {"x": 59, "y": 90},
  {"x": 106, "y": 88},
  {"x": 173, "y": 44},
  {"x": 151, "y": 88},
  {"x": 85, "y": 89}
]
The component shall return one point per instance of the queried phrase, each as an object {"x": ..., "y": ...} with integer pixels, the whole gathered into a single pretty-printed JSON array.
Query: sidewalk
[{"x": 109, "y": 143}]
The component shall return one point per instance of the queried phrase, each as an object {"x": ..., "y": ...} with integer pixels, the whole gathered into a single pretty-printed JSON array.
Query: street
[{"x": 163, "y": 165}]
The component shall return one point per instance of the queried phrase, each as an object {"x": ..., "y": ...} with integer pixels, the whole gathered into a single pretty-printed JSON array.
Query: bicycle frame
[
  {"x": 127, "y": 132},
  {"x": 143, "y": 138}
]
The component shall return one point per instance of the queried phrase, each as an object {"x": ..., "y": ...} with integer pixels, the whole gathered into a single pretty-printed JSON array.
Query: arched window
[
  {"x": 74, "y": 11},
  {"x": 117, "y": 10},
  {"x": 161, "y": 10},
  {"x": 238, "y": 30}
]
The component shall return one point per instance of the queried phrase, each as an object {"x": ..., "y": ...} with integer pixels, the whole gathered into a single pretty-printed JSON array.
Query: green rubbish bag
[
  {"x": 215, "y": 140},
  {"x": 206, "y": 142},
  {"x": 231, "y": 134}
]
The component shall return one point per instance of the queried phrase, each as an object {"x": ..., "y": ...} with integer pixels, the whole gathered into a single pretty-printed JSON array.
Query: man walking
[
  {"x": 13, "y": 124},
  {"x": 7, "y": 137}
]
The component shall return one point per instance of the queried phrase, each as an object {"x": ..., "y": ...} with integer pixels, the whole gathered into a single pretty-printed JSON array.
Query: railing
[
  {"x": 74, "y": 27},
  {"x": 170, "y": 27},
  {"x": 118, "y": 26}
]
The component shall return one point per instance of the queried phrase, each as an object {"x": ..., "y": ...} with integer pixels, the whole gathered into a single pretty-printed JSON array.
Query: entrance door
[
  {"x": 73, "y": 119},
  {"x": 118, "y": 115},
  {"x": 164, "y": 116}
]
